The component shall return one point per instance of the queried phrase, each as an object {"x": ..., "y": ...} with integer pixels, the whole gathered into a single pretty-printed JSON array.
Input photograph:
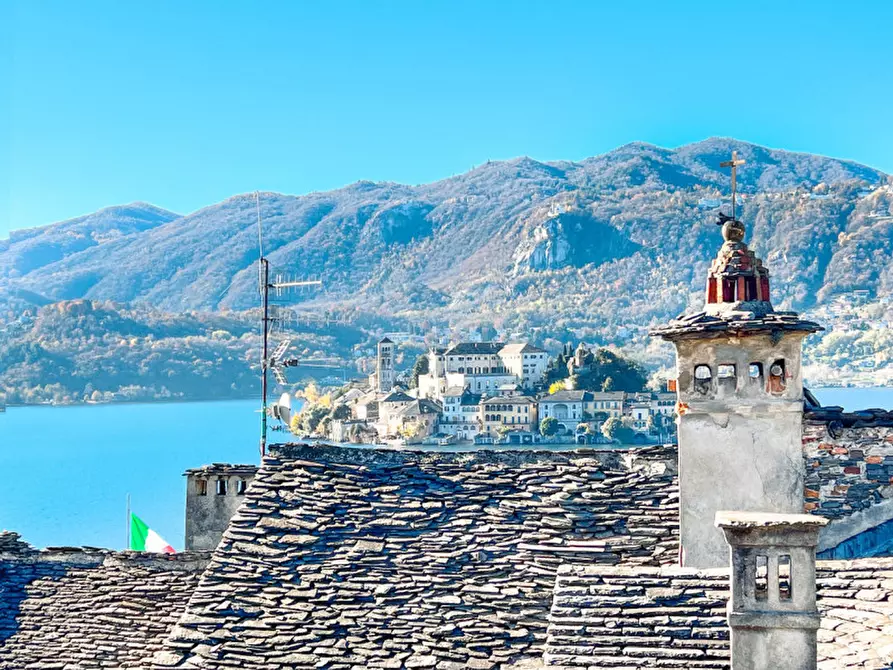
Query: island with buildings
[{"x": 491, "y": 393}]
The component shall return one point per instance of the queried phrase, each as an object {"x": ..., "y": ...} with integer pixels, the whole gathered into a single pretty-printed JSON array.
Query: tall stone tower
[
  {"x": 740, "y": 401},
  {"x": 384, "y": 368}
]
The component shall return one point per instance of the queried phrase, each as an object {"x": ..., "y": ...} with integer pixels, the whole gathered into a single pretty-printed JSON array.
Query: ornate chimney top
[
  {"x": 737, "y": 297},
  {"x": 736, "y": 275}
]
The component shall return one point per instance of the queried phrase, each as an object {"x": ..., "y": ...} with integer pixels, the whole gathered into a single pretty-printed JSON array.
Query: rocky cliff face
[{"x": 601, "y": 248}]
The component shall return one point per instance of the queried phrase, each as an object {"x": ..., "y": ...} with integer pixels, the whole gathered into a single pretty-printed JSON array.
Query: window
[
  {"x": 241, "y": 487},
  {"x": 725, "y": 370},
  {"x": 728, "y": 379},
  {"x": 784, "y": 578},
  {"x": 755, "y": 372},
  {"x": 761, "y": 578},
  {"x": 201, "y": 487},
  {"x": 221, "y": 487},
  {"x": 703, "y": 378},
  {"x": 777, "y": 382}
]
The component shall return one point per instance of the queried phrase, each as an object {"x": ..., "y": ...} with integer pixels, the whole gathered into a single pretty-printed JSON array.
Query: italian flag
[{"x": 143, "y": 538}]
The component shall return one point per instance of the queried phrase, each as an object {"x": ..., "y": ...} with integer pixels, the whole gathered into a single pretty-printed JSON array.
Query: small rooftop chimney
[{"x": 772, "y": 611}]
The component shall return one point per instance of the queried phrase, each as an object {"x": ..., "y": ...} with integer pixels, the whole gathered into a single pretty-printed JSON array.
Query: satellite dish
[{"x": 282, "y": 409}]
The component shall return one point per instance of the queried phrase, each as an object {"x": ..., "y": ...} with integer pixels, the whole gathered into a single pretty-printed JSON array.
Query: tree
[
  {"x": 555, "y": 387},
  {"x": 312, "y": 417},
  {"x": 341, "y": 412},
  {"x": 652, "y": 424},
  {"x": 419, "y": 368},
  {"x": 614, "y": 429},
  {"x": 608, "y": 384},
  {"x": 295, "y": 424},
  {"x": 549, "y": 426},
  {"x": 311, "y": 393}
]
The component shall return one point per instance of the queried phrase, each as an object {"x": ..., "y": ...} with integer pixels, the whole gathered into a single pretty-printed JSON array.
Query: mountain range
[{"x": 597, "y": 250}]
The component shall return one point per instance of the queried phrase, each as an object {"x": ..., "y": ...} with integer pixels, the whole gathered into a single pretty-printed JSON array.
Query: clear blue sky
[{"x": 183, "y": 104}]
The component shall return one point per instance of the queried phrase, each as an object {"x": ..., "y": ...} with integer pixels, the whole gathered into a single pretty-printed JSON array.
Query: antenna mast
[{"x": 267, "y": 361}]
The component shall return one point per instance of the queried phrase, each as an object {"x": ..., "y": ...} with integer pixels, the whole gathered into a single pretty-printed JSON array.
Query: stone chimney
[
  {"x": 772, "y": 610},
  {"x": 213, "y": 494},
  {"x": 740, "y": 401}
]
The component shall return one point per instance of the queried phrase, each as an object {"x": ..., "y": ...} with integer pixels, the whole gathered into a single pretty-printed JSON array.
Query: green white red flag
[{"x": 143, "y": 538}]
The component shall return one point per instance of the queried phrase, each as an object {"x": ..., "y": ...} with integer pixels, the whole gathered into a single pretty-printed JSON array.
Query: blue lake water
[
  {"x": 66, "y": 471},
  {"x": 852, "y": 399}
]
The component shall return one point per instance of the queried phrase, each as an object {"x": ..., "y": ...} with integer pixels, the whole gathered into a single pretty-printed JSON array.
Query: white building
[
  {"x": 606, "y": 402},
  {"x": 566, "y": 407},
  {"x": 415, "y": 420},
  {"x": 388, "y": 408},
  {"x": 663, "y": 403},
  {"x": 461, "y": 416},
  {"x": 482, "y": 367},
  {"x": 527, "y": 362},
  {"x": 485, "y": 383},
  {"x": 639, "y": 410},
  {"x": 474, "y": 358}
]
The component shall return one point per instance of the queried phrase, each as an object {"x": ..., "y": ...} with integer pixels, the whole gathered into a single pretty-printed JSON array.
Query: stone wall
[
  {"x": 213, "y": 494},
  {"x": 848, "y": 469}
]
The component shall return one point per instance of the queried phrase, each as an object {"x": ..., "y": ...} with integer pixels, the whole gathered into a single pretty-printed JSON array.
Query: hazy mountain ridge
[
  {"x": 34, "y": 248},
  {"x": 601, "y": 248}
]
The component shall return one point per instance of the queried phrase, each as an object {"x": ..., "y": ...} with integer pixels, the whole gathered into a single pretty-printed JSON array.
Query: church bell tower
[
  {"x": 740, "y": 399},
  {"x": 384, "y": 366}
]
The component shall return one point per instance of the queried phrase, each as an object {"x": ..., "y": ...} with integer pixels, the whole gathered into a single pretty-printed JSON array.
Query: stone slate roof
[
  {"x": 80, "y": 608},
  {"x": 361, "y": 558},
  {"x": 567, "y": 396},
  {"x": 420, "y": 407},
  {"x": 835, "y": 416},
  {"x": 397, "y": 396},
  {"x": 702, "y": 324},
  {"x": 521, "y": 348},
  {"x": 630, "y": 618},
  {"x": 638, "y": 618},
  {"x": 479, "y": 348},
  {"x": 508, "y": 400},
  {"x": 223, "y": 470}
]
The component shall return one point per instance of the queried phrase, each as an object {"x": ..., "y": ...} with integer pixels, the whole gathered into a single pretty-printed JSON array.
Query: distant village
[{"x": 492, "y": 393}]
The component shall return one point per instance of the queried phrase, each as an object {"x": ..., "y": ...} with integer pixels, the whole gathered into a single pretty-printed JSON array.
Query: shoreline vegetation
[{"x": 84, "y": 352}]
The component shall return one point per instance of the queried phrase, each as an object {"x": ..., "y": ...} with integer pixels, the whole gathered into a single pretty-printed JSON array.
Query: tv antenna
[{"x": 277, "y": 361}]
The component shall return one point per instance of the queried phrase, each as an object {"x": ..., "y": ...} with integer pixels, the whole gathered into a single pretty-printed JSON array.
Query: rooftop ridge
[
  {"x": 95, "y": 556},
  {"x": 223, "y": 468},
  {"x": 383, "y": 457}
]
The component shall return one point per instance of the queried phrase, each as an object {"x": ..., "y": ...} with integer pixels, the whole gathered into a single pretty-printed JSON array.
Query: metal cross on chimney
[{"x": 734, "y": 163}]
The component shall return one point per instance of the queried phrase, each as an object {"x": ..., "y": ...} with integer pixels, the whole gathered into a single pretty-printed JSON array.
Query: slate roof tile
[
  {"x": 428, "y": 559},
  {"x": 80, "y": 609},
  {"x": 647, "y": 617}
]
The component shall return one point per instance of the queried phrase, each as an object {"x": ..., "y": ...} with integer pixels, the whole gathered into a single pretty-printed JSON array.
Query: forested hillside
[
  {"x": 596, "y": 250},
  {"x": 78, "y": 351}
]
